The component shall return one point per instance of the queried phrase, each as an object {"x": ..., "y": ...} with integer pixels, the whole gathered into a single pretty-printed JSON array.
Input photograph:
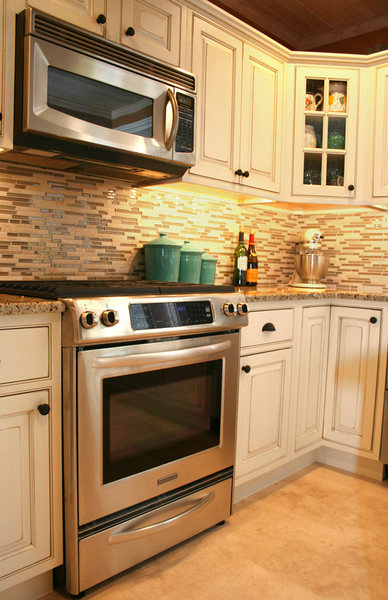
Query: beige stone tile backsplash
[{"x": 56, "y": 225}]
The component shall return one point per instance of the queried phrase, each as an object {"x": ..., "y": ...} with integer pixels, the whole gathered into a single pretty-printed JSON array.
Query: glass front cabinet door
[{"x": 325, "y": 132}]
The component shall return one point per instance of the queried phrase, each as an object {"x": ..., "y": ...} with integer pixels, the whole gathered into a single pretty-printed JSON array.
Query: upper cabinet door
[
  {"x": 152, "y": 27},
  {"x": 326, "y": 116},
  {"x": 261, "y": 119},
  {"x": 380, "y": 187},
  {"x": 83, "y": 13},
  {"x": 217, "y": 61}
]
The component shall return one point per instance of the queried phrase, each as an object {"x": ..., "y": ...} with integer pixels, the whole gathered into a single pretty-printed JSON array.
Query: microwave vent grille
[{"x": 61, "y": 33}]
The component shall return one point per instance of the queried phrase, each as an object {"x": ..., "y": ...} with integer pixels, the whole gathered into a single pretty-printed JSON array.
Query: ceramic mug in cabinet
[{"x": 312, "y": 101}]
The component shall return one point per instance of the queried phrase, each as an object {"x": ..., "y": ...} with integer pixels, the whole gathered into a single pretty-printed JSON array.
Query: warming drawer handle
[
  {"x": 175, "y": 119},
  {"x": 168, "y": 356},
  {"x": 129, "y": 534}
]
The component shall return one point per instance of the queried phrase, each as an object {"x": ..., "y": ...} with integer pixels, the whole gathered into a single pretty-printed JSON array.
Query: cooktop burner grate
[{"x": 58, "y": 289}]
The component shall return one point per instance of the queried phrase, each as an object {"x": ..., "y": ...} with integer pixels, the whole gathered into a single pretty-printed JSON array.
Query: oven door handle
[
  {"x": 169, "y": 356},
  {"x": 129, "y": 534}
]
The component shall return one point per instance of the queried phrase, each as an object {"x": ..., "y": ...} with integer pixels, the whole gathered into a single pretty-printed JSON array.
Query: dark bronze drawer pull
[{"x": 269, "y": 327}]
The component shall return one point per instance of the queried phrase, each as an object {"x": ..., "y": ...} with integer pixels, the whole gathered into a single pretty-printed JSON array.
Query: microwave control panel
[{"x": 184, "y": 141}]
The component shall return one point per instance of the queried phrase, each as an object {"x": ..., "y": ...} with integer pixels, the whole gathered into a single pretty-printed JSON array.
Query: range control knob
[
  {"x": 229, "y": 309},
  {"x": 242, "y": 308},
  {"x": 110, "y": 317},
  {"x": 88, "y": 319}
]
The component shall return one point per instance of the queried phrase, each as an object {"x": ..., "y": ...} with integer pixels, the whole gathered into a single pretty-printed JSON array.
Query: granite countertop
[
  {"x": 24, "y": 305},
  {"x": 292, "y": 293},
  {"x": 19, "y": 305}
]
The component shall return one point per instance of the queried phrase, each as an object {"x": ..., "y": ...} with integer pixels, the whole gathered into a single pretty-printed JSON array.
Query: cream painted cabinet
[
  {"x": 83, "y": 13},
  {"x": 261, "y": 120},
  {"x": 217, "y": 62},
  {"x": 239, "y": 117},
  {"x": 312, "y": 375},
  {"x": 8, "y": 8},
  {"x": 30, "y": 447},
  {"x": 380, "y": 186},
  {"x": 263, "y": 412},
  {"x": 2, "y": 65},
  {"x": 152, "y": 27},
  {"x": 325, "y": 134},
  {"x": 352, "y": 378}
]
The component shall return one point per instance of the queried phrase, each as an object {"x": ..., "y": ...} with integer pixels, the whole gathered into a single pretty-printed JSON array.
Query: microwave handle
[
  {"x": 171, "y": 356},
  {"x": 175, "y": 118}
]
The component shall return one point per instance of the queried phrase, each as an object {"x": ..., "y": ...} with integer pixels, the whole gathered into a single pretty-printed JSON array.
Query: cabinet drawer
[
  {"x": 24, "y": 354},
  {"x": 268, "y": 326}
]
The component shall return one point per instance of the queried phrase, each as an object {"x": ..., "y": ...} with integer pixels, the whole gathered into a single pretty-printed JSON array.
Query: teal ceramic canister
[
  {"x": 190, "y": 263},
  {"x": 162, "y": 259},
  {"x": 208, "y": 268}
]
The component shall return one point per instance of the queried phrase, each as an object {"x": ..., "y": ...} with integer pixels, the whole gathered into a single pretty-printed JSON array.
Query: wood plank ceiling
[{"x": 349, "y": 26}]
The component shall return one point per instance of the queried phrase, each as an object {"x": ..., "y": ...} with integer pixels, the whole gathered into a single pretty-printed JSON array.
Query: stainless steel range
[{"x": 149, "y": 413}]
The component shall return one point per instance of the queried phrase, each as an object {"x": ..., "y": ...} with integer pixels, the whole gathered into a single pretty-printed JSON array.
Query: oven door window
[
  {"x": 96, "y": 102},
  {"x": 153, "y": 418}
]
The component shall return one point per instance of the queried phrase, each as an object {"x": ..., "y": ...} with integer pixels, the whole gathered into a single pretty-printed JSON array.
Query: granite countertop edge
[
  {"x": 24, "y": 305},
  {"x": 289, "y": 293}
]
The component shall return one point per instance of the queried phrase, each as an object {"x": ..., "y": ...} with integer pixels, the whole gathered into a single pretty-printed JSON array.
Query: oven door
[
  {"x": 71, "y": 96},
  {"x": 153, "y": 417}
]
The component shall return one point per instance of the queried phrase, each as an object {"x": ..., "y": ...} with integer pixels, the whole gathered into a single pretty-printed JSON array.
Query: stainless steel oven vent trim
[{"x": 60, "y": 33}]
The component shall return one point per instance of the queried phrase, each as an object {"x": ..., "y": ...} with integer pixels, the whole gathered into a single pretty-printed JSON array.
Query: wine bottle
[
  {"x": 252, "y": 268},
  {"x": 240, "y": 262}
]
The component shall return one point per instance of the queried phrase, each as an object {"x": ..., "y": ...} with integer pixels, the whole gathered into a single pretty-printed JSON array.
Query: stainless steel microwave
[{"x": 87, "y": 105}]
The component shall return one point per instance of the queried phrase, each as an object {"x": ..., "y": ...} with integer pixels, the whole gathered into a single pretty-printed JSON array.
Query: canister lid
[
  {"x": 206, "y": 256},
  {"x": 163, "y": 240},
  {"x": 187, "y": 247}
]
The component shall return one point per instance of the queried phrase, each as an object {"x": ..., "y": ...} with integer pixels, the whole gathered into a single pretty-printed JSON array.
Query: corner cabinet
[
  {"x": 312, "y": 375},
  {"x": 380, "y": 187},
  {"x": 239, "y": 121},
  {"x": 30, "y": 447},
  {"x": 352, "y": 378},
  {"x": 325, "y": 136}
]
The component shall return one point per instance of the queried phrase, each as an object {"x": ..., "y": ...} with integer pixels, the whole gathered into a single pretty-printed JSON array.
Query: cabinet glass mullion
[{"x": 324, "y": 151}]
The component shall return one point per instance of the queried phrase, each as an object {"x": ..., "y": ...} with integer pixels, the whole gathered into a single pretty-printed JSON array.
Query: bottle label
[
  {"x": 242, "y": 263},
  {"x": 252, "y": 275}
]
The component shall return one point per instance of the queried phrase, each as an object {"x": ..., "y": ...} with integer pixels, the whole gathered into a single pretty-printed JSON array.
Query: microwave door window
[
  {"x": 154, "y": 418},
  {"x": 99, "y": 103}
]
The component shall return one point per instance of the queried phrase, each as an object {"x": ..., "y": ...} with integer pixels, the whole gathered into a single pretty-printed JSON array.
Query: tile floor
[{"x": 320, "y": 534}]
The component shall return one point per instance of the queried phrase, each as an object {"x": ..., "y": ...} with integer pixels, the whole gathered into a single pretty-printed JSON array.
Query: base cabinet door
[
  {"x": 352, "y": 377},
  {"x": 263, "y": 412},
  {"x": 25, "y": 522},
  {"x": 312, "y": 376}
]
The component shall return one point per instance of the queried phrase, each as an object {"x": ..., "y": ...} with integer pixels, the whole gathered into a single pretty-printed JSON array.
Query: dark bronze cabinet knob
[
  {"x": 130, "y": 31},
  {"x": 350, "y": 187},
  {"x": 44, "y": 409},
  {"x": 245, "y": 174},
  {"x": 373, "y": 320},
  {"x": 101, "y": 19},
  {"x": 246, "y": 369},
  {"x": 238, "y": 172}
]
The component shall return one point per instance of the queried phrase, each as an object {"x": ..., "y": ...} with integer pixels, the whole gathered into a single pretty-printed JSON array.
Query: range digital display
[{"x": 159, "y": 315}]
